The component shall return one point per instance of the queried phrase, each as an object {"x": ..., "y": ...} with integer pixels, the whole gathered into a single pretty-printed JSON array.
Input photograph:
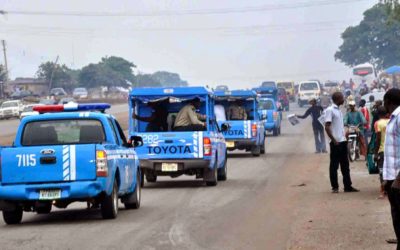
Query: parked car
[
  {"x": 283, "y": 99},
  {"x": 22, "y": 94},
  {"x": 58, "y": 92},
  {"x": 63, "y": 157},
  {"x": 80, "y": 93},
  {"x": 9, "y": 109},
  {"x": 28, "y": 110},
  {"x": 47, "y": 101},
  {"x": 66, "y": 100}
]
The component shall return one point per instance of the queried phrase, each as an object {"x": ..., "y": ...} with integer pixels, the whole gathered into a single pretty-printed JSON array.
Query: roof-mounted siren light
[{"x": 72, "y": 107}]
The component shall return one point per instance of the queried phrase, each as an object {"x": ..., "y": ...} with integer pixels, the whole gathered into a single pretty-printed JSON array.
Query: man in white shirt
[
  {"x": 334, "y": 127},
  {"x": 391, "y": 162}
]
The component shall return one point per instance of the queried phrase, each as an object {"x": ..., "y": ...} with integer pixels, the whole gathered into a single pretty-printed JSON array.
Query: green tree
[
  {"x": 96, "y": 75},
  {"x": 393, "y": 7},
  {"x": 120, "y": 66},
  {"x": 374, "y": 40},
  {"x": 146, "y": 80},
  {"x": 62, "y": 76},
  {"x": 168, "y": 79}
]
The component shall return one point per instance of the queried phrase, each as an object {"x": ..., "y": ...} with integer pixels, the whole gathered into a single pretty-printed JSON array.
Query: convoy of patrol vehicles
[{"x": 75, "y": 152}]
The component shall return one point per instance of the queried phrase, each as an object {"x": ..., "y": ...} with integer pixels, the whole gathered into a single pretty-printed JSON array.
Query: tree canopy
[
  {"x": 62, "y": 75},
  {"x": 111, "y": 71},
  {"x": 374, "y": 40}
]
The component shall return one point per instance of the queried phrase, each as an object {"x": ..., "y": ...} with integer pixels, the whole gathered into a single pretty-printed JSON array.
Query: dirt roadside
[{"x": 345, "y": 220}]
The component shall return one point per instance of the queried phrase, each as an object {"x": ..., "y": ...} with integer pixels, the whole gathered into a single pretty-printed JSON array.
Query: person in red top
[{"x": 364, "y": 110}]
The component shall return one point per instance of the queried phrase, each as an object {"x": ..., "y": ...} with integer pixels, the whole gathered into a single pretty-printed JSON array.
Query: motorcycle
[{"x": 353, "y": 146}]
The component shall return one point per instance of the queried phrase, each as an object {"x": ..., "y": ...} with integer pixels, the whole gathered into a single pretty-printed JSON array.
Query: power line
[{"x": 263, "y": 8}]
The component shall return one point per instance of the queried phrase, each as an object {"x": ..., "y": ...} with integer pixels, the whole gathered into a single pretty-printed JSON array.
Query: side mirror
[
  {"x": 225, "y": 127},
  {"x": 136, "y": 141}
]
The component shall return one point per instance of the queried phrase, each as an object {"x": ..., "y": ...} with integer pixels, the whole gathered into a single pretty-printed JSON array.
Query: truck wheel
[
  {"x": 262, "y": 150},
  {"x": 141, "y": 178},
  {"x": 13, "y": 217},
  {"x": 151, "y": 177},
  {"x": 223, "y": 172},
  {"x": 275, "y": 132},
  {"x": 256, "y": 150},
  {"x": 214, "y": 180},
  {"x": 109, "y": 205},
  {"x": 132, "y": 200},
  {"x": 45, "y": 209}
]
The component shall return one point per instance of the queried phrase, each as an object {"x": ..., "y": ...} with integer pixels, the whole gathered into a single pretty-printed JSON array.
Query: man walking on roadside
[
  {"x": 334, "y": 128},
  {"x": 391, "y": 163},
  {"x": 316, "y": 111}
]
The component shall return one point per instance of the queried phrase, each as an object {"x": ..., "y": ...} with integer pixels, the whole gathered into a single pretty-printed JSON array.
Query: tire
[
  {"x": 275, "y": 132},
  {"x": 256, "y": 150},
  {"x": 223, "y": 172},
  {"x": 351, "y": 152},
  {"x": 44, "y": 209},
  {"x": 262, "y": 150},
  {"x": 151, "y": 177},
  {"x": 132, "y": 201},
  {"x": 141, "y": 178},
  {"x": 214, "y": 181},
  {"x": 109, "y": 205},
  {"x": 13, "y": 217}
]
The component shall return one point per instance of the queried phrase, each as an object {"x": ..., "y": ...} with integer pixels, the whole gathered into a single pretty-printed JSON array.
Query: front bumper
[{"x": 69, "y": 190}]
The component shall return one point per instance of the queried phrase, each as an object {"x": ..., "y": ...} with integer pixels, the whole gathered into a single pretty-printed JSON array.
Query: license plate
[
  {"x": 169, "y": 167},
  {"x": 50, "y": 194},
  {"x": 230, "y": 144}
]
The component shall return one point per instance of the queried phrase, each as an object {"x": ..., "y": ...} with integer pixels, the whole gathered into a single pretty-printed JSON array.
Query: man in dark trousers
[
  {"x": 391, "y": 166},
  {"x": 334, "y": 128},
  {"x": 316, "y": 111}
]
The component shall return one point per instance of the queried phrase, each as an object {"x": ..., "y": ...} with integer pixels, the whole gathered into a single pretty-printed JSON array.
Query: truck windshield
[
  {"x": 309, "y": 86},
  {"x": 286, "y": 85},
  {"x": 268, "y": 85},
  {"x": 57, "y": 132},
  {"x": 9, "y": 104}
]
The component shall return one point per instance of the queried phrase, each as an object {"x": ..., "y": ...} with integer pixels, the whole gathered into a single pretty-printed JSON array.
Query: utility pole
[
  {"x": 3, "y": 42},
  {"x": 52, "y": 74}
]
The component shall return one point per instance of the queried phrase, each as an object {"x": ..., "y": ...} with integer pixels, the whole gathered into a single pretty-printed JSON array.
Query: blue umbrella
[{"x": 393, "y": 70}]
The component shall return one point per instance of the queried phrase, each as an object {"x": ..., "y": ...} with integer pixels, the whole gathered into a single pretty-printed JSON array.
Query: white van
[{"x": 308, "y": 90}]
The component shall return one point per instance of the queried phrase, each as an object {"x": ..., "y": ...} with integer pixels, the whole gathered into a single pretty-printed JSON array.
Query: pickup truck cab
[
  {"x": 62, "y": 156},
  {"x": 174, "y": 153},
  {"x": 270, "y": 114},
  {"x": 9, "y": 109},
  {"x": 247, "y": 134}
]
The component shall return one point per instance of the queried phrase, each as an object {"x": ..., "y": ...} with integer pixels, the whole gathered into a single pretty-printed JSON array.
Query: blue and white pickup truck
[
  {"x": 271, "y": 115},
  {"x": 68, "y": 154},
  {"x": 169, "y": 152},
  {"x": 247, "y": 133}
]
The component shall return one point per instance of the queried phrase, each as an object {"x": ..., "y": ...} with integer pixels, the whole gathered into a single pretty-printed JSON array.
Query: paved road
[
  {"x": 9, "y": 127},
  {"x": 248, "y": 211}
]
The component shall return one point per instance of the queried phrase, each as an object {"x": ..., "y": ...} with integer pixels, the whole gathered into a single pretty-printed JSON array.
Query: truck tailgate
[
  {"x": 171, "y": 145},
  {"x": 39, "y": 164},
  {"x": 238, "y": 130}
]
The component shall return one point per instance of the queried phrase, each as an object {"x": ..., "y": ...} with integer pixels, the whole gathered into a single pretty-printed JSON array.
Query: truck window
[
  {"x": 59, "y": 132},
  {"x": 117, "y": 141},
  {"x": 121, "y": 133},
  {"x": 268, "y": 104}
]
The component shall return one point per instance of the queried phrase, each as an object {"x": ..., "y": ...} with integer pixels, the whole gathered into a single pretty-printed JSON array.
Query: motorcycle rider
[{"x": 355, "y": 118}]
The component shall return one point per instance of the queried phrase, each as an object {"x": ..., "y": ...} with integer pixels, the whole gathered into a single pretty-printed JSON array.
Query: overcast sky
[{"x": 240, "y": 47}]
